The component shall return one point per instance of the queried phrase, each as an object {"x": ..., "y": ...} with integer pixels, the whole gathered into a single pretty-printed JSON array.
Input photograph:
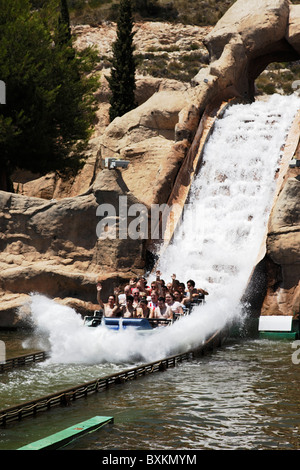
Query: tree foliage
[
  {"x": 64, "y": 20},
  {"x": 122, "y": 79},
  {"x": 49, "y": 109}
]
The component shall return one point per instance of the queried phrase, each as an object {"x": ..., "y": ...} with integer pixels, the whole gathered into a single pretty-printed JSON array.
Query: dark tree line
[
  {"x": 49, "y": 110},
  {"x": 50, "y": 106}
]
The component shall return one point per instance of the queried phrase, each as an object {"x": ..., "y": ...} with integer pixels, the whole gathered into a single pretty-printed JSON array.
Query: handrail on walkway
[
  {"x": 65, "y": 397},
  {"x": 23, "y": 360}
]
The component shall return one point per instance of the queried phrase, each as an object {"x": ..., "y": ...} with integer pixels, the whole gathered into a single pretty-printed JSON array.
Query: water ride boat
[{"x": 121, "y": 323}]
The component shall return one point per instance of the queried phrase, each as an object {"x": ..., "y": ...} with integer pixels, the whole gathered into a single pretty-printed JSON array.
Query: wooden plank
[{"x": 62, "y": 438}]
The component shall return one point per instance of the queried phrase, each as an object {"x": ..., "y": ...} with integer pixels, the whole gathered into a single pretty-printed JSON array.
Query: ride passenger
[
  {"x": 153, "y": 300},
  {"x": 142, "y": 285},
  {"x": 196, "y": 292},
  {"x": 136, "y": 297},
  {"x": 202, "y": 293},
  {"x": 155, "y": 287},
  {"x": 128, "y": 310},
  {"x": 170, "y": 287},
  {"x": 173, "y": 285},
  {"x": 162, "y": 310},
  {"x": 112, "y": 307},
  {"x": 132, "y": 283},
  {"x": 164, "y": 291},
  {"x": 161, "y": 285},
  {"x": 178, "y": 296},
  {"x": 191, "y": 293},
  {"x": 181, "y": 289},
  {"x": 175, "y": 305},
  {"x": 143, "y": 311},
  {"x": 122, "y": 297}
]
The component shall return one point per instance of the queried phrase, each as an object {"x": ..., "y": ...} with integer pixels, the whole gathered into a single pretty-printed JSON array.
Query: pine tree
[
  {"x": 64, "y": 20},
  {"x": 122, "y": 79}
]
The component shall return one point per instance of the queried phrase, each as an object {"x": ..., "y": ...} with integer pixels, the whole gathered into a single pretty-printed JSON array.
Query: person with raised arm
[{"x": 112, "y": 307}]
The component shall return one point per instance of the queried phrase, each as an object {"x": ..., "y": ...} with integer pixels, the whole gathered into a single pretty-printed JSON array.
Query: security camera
[
  {"x": 119, "y": 164},
  {"x": 294, "y": 163},
  {"x": 112, "y": 163}
]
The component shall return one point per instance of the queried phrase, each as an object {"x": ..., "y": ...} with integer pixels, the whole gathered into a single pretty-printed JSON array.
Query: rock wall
[
  {"x": 247, "y": 38},
  {"x": 51, "y": 246},
  {"x": 283, "y": 242}
]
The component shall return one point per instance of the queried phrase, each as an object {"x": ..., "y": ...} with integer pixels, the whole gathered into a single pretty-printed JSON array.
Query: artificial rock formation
[
  {"x": 283, "y": 242},
  {"x": 245, "y": 40},
  {"x": 51, "y": 246}
]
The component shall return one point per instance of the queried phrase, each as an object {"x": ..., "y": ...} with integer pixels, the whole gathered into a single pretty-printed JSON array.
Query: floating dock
[
  {"x": 62, "y": 438},
  {"x": 278, "y": 327}
]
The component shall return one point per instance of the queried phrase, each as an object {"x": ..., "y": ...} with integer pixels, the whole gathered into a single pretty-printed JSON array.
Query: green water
[{"x": 242, "y": 396}]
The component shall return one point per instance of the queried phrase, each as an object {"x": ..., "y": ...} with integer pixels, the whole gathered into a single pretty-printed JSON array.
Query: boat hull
[{"x": 124, "y": 323}]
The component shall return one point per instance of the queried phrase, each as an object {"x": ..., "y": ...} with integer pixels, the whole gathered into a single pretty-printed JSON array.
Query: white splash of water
[
  {"x": 72, "y": 342},
  {"x": 216, "y": 245}
]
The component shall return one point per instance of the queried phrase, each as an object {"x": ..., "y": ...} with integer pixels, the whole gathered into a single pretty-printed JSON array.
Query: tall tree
[
  {"x": 49, "y": 109},
  {"x": 122, "y": 79},
  {"x": 64, "y": 19}
]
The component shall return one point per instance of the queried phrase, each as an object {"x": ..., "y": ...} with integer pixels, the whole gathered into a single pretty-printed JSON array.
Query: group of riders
[{"x": 157, "y": 301}]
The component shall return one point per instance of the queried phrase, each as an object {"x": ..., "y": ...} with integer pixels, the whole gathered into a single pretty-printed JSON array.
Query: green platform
[
  {"x": 60, "y": 439},
  {"x": 278, "y": 335},
  {"x": 278, "y": 327}
]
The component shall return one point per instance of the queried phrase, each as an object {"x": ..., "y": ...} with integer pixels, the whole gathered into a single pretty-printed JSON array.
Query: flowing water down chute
[
  {"x": 225, "y": 219},
  {"x": 216, "y": 244}
]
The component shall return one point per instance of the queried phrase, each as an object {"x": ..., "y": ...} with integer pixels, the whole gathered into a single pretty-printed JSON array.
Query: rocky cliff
[{"x": 51, "y": 245}]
